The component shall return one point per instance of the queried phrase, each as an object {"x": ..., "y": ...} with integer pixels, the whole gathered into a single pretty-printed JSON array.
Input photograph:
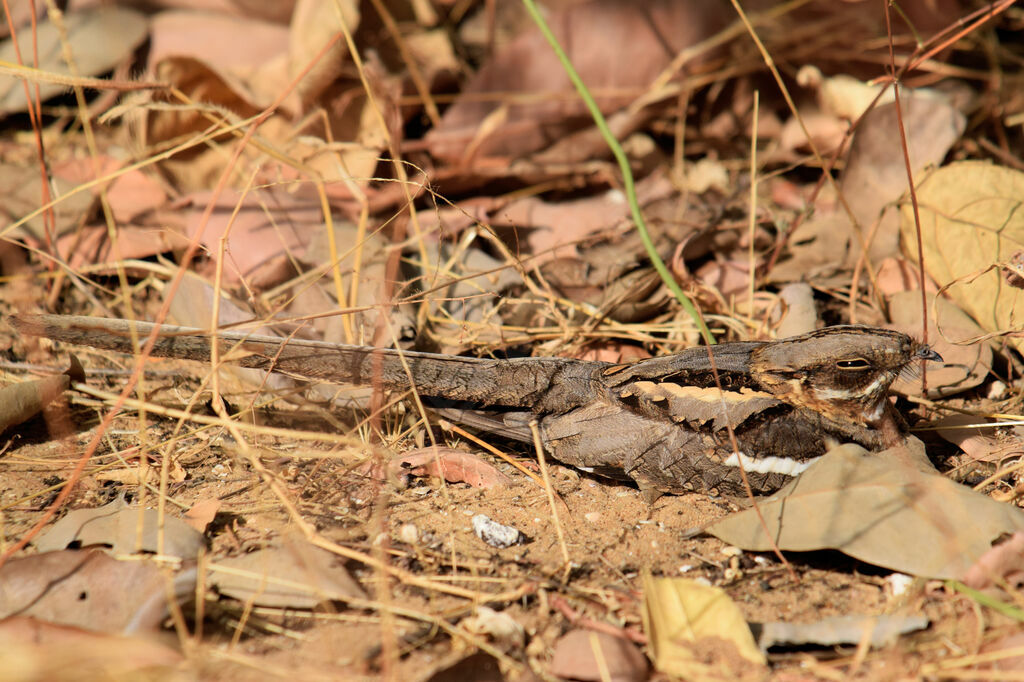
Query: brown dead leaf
[
  {"x": 874, "y": 178},
  {"x": 612, "y": 351},
  {"x": 594, "y": 35},
  {"x": 1003, "y": 563},
  {"x": 32, "y": 649},
  {"x": 202, "y": 514},
  {"x": 970, "y": 225},
  {"x": 117, "y": 525},
  {"x": 454, "y": 466},
  {"x": 878, "y": 509},
  {"x": 91, "y": 590},
  {"x": 588, "y": 655},
  {"x": 293, "y": 575},
  {"x": 980, "y": 443},
  {"x": 876, "y": 172},
  {"x": 896, "y": 274},
  {"x": 478, "y": 667},
  {"x": 1005, "y": 655},
  {"x": 964, "y": 365},
  {"x": 245, "y": 55},
  {"x": 21, "y": 190},
  {"x": 22, "y": 401},
  {"x": 264, "y": 230}
]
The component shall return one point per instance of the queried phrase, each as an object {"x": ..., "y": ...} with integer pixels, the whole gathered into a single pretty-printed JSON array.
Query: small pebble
[
  {"x": 409, "y": 533},
  {"x": 495, "y": 534},
  {"x": 899, "y": 583}
]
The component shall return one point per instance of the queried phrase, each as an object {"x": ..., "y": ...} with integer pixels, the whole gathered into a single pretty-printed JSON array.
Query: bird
[{"x": 687, "y": 422}]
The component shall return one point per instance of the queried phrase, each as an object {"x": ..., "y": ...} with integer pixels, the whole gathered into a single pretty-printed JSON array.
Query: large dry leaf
[
  {"x": 98, "y": 38},
  {"x": 964, "y": 365},
  {"x": 595, "y": 35},
  {"x": 874, "y": 178},
  {"x": 883, "y": 508},
  {"x": 245, "y": 54},
  {"x": 689, "y": 625},
  {"x": 971, "y": 223},
  {"x": 296, "y": 575},
  {"x": 117, "y": 525},
  {"x": 91, "y": 590},
  {"x": 21, "y": 191}
]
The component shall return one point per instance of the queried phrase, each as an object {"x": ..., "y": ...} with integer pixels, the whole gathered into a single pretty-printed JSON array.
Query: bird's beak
[{"x": 926, "y": 353}]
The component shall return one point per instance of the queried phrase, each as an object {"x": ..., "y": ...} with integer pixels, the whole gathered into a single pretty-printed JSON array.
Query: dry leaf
[
  {"x": 1003, "y": 563},
  {"x": 695, "y": 631},
  {"x": 202, "y": 514},
  {"x": 970, "y": 225},
  {"x": 478, "y": 667},
  {"x": 99, "y": 38},
  {"x": 31, "y": 649},
  {"x": 22, "y": 401},
  {"x": 881, "y": 631},
  {"x": 594, "y": 35},
  {"x": 313, "y": 25},
  {"x": 296, "y": 575},
  {"x": 980, "y": 443},
  {"x": 454, "y": 466},
  {"x": 498, "y": 626},
  {"x": 117, "y": 525},
  {"x": 1005, "y": 655},
  {"x": 879, "y": 509},
  {"x": 597, "y": 656},
  {"x": 964, "y": 365},
  {"x": 91, "y": 590}
]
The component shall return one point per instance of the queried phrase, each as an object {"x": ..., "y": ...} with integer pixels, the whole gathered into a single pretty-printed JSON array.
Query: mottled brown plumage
[{"x": 662, "y": 422}]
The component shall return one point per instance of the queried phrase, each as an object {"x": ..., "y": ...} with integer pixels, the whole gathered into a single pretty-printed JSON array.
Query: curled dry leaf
[
  {"x": 588, "y": 655},
  {"x": 91, "y": 590},
  {"x": 454, "y": 466},
  {"x": 886, "y": 509},
  {"x": 22, "y": 401},
  {"x": 695, "y": 631},
  {"x": 117, "y": 525}
]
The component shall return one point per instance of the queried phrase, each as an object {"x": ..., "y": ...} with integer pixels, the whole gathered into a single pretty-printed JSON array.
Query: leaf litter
[{"x": 442, "y": 186}]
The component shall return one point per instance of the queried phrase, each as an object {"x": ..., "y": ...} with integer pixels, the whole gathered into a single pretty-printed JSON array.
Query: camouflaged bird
[{"x": 662, "y": 422}]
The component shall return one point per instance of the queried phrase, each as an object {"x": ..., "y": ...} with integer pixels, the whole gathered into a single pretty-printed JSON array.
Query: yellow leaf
[
  {"x": 971, "y": 223},
  {"x": 695, "y": 631}
]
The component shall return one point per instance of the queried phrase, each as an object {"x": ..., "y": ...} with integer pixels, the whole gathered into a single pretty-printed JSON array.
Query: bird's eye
[{"x": 853, "y": 364}]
